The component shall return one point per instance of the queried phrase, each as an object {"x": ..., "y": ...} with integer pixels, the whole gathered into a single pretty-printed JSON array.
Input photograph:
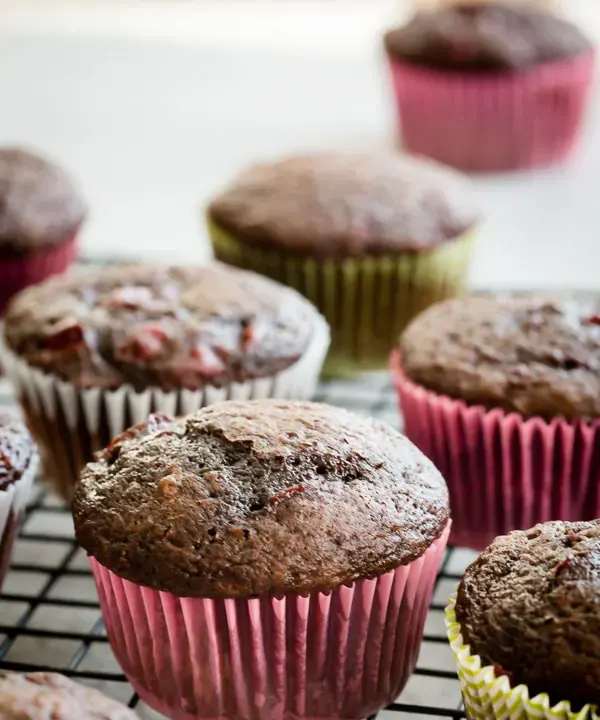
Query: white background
[{"x": 153, "y": 105}]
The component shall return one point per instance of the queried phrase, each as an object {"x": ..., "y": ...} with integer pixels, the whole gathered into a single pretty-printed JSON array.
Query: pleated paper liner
[
  {"x": 18, "y": 271},
  {"x": 337, "y": 656},
  {"x": 70, "y": 424},
  {"x": 493, "y": 122},
  {"x": 13, "y": 501},
  {"x": 488, "y": 697},
  {"x": 367, "y": 301},
  {"x": 504, "y": 472}
]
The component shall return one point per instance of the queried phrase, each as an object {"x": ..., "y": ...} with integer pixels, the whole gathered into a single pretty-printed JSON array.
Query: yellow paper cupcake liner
[
  {"x": 488, "y": 697},
  {"x": 367, "y": 301}
]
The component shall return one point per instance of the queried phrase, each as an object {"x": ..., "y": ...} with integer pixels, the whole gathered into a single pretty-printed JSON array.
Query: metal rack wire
[{"x": 50, "y": 616}]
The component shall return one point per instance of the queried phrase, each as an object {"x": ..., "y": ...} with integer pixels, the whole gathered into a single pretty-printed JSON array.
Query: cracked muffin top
[
  {"x": 528, "y": 353},
  {"x": 39, "y": 204},
  {"x": 160, "y": 326},
  {"x": 486, "y": 37},
  {"x": 245, "y": 499},
  {"x": 43, "y": 695},
  {"x": 336, "y": 205},
  {"x": 530, "y": 606}
]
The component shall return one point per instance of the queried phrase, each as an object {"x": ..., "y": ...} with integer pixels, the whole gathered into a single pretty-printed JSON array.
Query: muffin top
[
  {"x": 530, "y": 606},
  {"x": 42, "y": 695},
  {"x": 246, "y": 499},
  {"x": 339, "y": 205},
  {"x": 532, "y": 354},
  {"x": 39, "y": 205},
  {"x": 17, "y": 450},
  {"x": 169, "y": 327},
  {"x": 485, "y": 37}
]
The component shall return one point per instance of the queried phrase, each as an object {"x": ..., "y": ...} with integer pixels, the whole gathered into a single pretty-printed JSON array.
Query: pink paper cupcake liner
[
  {"x": 493, "y": 123},
  {"x": 337, "y": 656},
  {"x": 19, "y": 271},
  {"x": 504, "y": 472}
]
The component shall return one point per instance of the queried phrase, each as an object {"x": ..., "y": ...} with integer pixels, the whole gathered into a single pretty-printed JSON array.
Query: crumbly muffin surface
[
  {"x": 531, "y": 354},
  {"x": 530, "y": 605},
  {"x": 245, "y": 499},
  {"x": 160, "y": 326}
]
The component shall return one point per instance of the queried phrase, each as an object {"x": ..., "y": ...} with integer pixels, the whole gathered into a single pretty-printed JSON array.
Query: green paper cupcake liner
[
  {"x": 488, "y": 697},
  {"x": 367, "y": 301}
]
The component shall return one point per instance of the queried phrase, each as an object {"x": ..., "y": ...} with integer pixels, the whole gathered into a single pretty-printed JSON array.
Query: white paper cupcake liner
[
  {"x": 488, "y": 697},
  {"x": 13, "y": 501},
  {"x": 70, "y": 423}
]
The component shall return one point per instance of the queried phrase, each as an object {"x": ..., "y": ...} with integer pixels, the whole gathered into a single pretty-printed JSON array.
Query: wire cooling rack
[{"x": 50, "y": 616}]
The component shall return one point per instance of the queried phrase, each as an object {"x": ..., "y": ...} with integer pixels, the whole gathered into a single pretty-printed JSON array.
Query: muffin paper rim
[
  {"x": 504, "y": 471},
  {"x": 366, "y": 299},
  {"x": 396, "y": 369},
  {"x": 502, "y": 700},
  {"x": 21, "y": 375},
  {"x": 343, "y": 653},
  {"x": 493, "y": 122}
]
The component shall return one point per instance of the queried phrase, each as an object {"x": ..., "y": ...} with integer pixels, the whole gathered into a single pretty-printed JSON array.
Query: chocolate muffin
[
  {"x": 92, "y": 353},
  {"x": 18, "y": 465},
  {"x": 370, "y": 239},
  {"x": 234, "y": 500},
  {"x": 529, "y": 607},
  {"x": 531, "y": 354},
  {"x": 278, "y": 505},
  {"x": 40, "y": 215},
  {"x": 38, "y": 696},
  {"x": 484, "y": 37},
  {"x": 502, "y": 394},
  {"x": 490, "y": 86}
]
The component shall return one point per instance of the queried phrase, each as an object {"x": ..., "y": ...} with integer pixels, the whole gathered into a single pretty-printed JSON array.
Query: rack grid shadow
[{"x": 50, "y": 615}]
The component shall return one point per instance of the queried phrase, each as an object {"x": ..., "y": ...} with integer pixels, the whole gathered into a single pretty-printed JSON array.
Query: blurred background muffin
[
  {"x": 370, "y": 239},
  {"x": 93, "y": 353},
  {"x": 41, "y": 212},
  {"x": 525, "y": 625},
  {"x": 264, "y": 559},
  {"x": 490, "y": 86},
  {"x": 503, "y": 394}
]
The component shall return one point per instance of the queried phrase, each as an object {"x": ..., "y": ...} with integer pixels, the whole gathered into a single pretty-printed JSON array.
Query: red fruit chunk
[
  {"x": 208, "y": 362},
  {"x": 592, "y": 320},
  {"x": 66, "y": 335},
  {"x": 288, "y": 492},
  {"x": 248, "y": 335},
  {"x": 170, "y": 486},
  {"x": 146, "y": 343},
  {"x": 156, "y": 422},
  {"x": 561, "y": 565}
]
